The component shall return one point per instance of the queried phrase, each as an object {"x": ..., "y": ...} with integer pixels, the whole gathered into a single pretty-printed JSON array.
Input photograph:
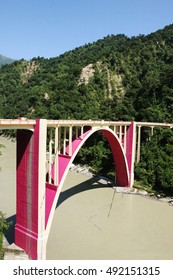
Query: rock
[
  {"x": 80, "y": 169},
  {"x": 122, "y": 189},
  {"x": 151, "y": 194},
  {"x": 166, "y": 199},
  {"x": 142, "y": 192},
  {"x": 13, "y": 252},
  {"x": 72, "y": 166}
]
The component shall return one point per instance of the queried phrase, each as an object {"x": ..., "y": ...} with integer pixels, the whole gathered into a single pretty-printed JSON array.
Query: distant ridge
[{"x": 5, "y": 60}]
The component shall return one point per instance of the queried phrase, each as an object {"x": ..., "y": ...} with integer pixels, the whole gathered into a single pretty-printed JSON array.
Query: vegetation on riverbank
[
  {"x": 156, "y": 166},
  {"x": 3, "y": 226},
  {"x": 115, "y": 78}
]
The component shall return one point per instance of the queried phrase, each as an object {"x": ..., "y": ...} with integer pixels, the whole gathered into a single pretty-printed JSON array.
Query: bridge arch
[
  {"x": 121, "y": 166},
  {"x": 36, "y": 198}
]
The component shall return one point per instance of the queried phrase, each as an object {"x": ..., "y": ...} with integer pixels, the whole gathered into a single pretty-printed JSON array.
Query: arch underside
[{"x": 64, "y": 163}]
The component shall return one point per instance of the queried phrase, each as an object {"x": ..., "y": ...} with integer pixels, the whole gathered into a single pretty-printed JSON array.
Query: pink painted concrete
[
  {"x": 26, "y": 231},
  {"x": 50, "y": 195},
  {"x": 63, "y": 160},
  {"x": 121, "y": 170},
  {"x": 129, "y": 150}
]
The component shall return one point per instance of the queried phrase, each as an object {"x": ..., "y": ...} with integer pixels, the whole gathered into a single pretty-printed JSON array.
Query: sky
[{"x": 48, "y": 28}]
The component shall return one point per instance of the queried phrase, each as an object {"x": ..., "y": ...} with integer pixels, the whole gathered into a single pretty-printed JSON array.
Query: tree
[
  {"x": 3, "y": 227},
  {"x": 156, "y": 167}
]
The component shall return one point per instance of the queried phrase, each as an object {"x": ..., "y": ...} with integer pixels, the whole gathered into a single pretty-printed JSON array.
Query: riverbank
[{"x": 138, "y": 190}]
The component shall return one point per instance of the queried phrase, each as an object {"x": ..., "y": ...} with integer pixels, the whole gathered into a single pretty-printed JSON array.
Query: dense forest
[{"x": 115, "y": 78}]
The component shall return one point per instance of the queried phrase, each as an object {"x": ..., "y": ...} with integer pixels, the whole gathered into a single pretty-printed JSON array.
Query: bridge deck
[{"x": 23, "y": 123}]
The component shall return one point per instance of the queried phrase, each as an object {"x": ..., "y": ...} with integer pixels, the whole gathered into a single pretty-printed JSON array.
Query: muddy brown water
[{"x": 83, "y": 226}]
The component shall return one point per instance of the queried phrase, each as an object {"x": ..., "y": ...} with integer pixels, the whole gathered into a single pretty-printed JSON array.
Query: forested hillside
[{"x": 115, "y": 78}]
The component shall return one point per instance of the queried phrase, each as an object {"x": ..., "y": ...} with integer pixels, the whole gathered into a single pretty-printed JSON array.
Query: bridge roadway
[{"x": 23, "y": 123}]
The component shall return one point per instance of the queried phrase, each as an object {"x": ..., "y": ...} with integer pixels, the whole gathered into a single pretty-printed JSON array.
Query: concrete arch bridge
[{"x": 39, "y": 183}]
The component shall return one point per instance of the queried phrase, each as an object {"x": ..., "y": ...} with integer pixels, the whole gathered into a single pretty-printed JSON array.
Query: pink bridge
[{"x": 41, "y": 173}]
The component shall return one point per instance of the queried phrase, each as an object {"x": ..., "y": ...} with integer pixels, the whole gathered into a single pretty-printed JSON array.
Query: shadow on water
[
  {"x": 9, "y": 234},
  {"x": 90, "y": 184}
]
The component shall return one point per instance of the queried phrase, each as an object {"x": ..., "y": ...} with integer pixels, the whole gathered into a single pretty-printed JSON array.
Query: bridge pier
[{"x": 30, "y": 232}]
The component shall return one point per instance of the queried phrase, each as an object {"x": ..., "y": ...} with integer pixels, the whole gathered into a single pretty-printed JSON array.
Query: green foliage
[
  {"x": 129, "y": 79},
  {"x": 96, "y": 154},
  {"x": 156, "y": 166},
  {"x": 3, "y": 226}
]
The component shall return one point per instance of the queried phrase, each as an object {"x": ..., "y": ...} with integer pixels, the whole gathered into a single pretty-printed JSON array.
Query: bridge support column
[
  {"x": 139, "y": 144},
  {"x": 131, "y": 151},
  {"x": 31, "y": 170}
]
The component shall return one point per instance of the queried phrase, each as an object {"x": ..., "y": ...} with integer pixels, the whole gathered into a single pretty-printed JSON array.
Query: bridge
[{"x": 45, "y": 150}]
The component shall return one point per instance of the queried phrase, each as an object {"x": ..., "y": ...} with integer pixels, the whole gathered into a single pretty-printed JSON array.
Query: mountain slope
[
  {"x": 5, "y": 60},
  {"x": 115, "y": 78}
]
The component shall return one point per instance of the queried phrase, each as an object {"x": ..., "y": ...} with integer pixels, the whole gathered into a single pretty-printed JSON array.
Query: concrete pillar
[
  {"x": 31, "y": 178},
  {"x": 50, "y": 157},
  {"x": 139, "y": 144},
  {"x": 125, "y": 135},
  {"x": 77, "y": 133},
  {"x": 59, "y": 140},
  {"x": 64, "y": 141},
  {"x": 56, "y": 157},
  {"x": 120, "y": 134},
  {"x": 82, "y": 131},
  {"x": 131, "y": 151},
  {"x": 70, "y": 141}
]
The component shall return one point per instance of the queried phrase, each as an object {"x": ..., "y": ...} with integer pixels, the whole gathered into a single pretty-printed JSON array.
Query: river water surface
[{"x": 83, "y": 227}]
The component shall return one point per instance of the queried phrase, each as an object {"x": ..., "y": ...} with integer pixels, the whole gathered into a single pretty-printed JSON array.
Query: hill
[
  {"x": 115, "y": 78},
  {"x": 5, "y": 60}
]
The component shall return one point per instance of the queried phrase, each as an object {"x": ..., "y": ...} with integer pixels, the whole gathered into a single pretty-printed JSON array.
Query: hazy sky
[{"x": 48, "y": 28}]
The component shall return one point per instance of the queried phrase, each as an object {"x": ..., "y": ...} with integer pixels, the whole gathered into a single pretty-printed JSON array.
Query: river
[{"x": 137, "y": 227}]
